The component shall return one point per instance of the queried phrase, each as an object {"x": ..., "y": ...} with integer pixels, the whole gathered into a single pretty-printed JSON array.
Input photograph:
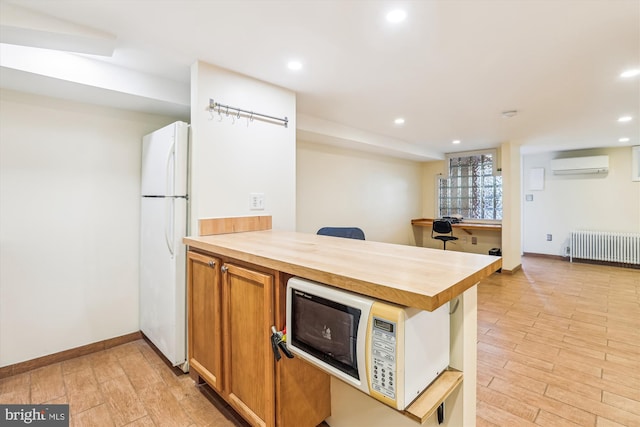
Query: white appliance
[
  {"x": 385, "y": 350},
  {"x": 163, "y": 224}
]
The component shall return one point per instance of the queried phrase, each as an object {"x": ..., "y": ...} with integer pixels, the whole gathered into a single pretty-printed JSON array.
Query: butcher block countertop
[{"x": 407, "y": 275}]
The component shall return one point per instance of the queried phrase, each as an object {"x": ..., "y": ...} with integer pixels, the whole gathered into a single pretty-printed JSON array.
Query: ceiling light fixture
[
  {"x": 630, "y": 73},
  {"x": 294, "y": 65},
  {"x": 509, "y": 113},
  {"x": 625, "y": 119},
  {"x": 396, "y": 16},
  {"x": 624, "y": 140},
  {"x": 399, "y": 121},
  {"x": 455, "y": 141}
]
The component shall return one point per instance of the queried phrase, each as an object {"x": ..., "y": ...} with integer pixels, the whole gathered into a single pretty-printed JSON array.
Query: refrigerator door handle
[
  {"x": 168, "y": 225},
  {"x": 171, "y": 162}
]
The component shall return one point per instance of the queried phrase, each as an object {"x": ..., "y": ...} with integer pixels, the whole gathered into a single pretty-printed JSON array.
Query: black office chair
[
  {"x": 347, "y": 232},
  {"x": 444, "y": 230}
]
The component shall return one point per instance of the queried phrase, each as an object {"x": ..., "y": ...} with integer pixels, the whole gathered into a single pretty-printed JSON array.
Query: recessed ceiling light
[
  {"x": 455, "y": 141},
  {"x": 624, "y": 119},
  {"x": 631, "y": 73},
  {"x": 294, "y": 65},
  {"x": 399, "y": 121},
  {"x": 624, "y": 140},
  {"x": 396, "y": 16}
]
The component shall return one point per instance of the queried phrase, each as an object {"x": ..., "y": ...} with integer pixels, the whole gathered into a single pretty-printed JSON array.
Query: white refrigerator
[{"x": 163, "y": 210}]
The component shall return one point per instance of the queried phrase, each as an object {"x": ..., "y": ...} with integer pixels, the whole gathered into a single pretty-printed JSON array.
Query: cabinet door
[
  {"x": 249, "y": 363},
  {"x": 205, "y": 318}
]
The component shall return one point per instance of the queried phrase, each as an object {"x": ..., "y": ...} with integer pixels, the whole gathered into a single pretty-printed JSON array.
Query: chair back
[
  {"x": 442, "y": 227},
  {"x": 347, "y": 232}
]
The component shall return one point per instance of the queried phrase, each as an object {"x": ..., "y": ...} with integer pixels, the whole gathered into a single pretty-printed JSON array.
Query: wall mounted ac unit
[{"x": 580, "y": 165}]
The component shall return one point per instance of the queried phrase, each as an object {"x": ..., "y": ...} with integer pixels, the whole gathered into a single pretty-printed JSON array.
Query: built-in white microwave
[{"x": 385, "y": 350}]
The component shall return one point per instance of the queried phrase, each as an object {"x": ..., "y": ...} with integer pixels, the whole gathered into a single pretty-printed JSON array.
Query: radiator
[{"x": 605, "y": 246}]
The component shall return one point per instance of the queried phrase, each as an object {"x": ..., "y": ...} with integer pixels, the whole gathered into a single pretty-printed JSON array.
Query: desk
[{"x": 466, "y": 226}]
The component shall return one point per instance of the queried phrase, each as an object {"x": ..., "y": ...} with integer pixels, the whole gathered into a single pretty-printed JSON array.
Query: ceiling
[{"x": 449, "y": 69}]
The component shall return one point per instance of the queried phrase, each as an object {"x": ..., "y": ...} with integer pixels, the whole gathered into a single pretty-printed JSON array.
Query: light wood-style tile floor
[
  {"x": 127, "y": 385},
  {"x": 559, "y": 345}
]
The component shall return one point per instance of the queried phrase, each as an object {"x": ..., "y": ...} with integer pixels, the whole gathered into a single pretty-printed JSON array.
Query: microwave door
[{"x": 328, "y": 330}]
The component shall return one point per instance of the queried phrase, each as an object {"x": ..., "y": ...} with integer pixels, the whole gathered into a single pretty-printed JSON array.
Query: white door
[
  {"x": 162, "y": 275},
  {"x": 164, "y": 161}
]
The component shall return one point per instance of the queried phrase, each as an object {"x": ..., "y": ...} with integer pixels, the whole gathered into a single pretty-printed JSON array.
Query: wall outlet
[
  {"x": 256, "y": 201},
  {"x": 474, "y": 240},
  {"x": 549, "y": 237}
]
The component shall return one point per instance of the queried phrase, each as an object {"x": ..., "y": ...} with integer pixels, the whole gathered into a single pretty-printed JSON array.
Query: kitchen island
[{"x": 406, "y": 275}]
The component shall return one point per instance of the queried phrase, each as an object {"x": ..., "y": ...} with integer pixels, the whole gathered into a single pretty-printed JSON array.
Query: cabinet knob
[
  {"x": 212, "y": 263},
  {"x": 224, "y": 268}
]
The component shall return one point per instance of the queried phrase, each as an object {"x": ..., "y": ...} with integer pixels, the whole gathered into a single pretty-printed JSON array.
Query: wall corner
[{"x": 511, "y": 206}]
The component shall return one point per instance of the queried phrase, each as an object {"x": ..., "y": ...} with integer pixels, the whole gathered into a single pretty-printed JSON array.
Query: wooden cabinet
[
  {"x": 204, "y": 293},
  {"x": 247, "y": 315},
  {"x": 231, "y": 308}
]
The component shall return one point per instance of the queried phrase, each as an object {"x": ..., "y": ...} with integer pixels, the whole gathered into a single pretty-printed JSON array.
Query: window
[{"x": 472, "y": 188}]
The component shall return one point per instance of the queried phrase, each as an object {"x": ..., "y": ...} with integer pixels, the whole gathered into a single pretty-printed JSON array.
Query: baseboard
[
  {"x": 556, "y": 257},
  {"x": 607, "y": 263},
  {"x": 21, "y": 367},
  {"x": 582, "y": 261},
  {"x": 514, "y": 270}
]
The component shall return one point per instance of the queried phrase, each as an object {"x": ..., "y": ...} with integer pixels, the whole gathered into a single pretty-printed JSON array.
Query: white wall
[
  {"x": 231, "y": 160},
  {"x": 589, "y": 202},
  {"x": 346, "y": 188},
  {"x": 69, "y": 223}
]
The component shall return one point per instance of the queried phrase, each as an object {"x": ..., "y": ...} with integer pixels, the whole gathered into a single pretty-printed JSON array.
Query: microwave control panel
[{"x": 383, "y": 357}]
